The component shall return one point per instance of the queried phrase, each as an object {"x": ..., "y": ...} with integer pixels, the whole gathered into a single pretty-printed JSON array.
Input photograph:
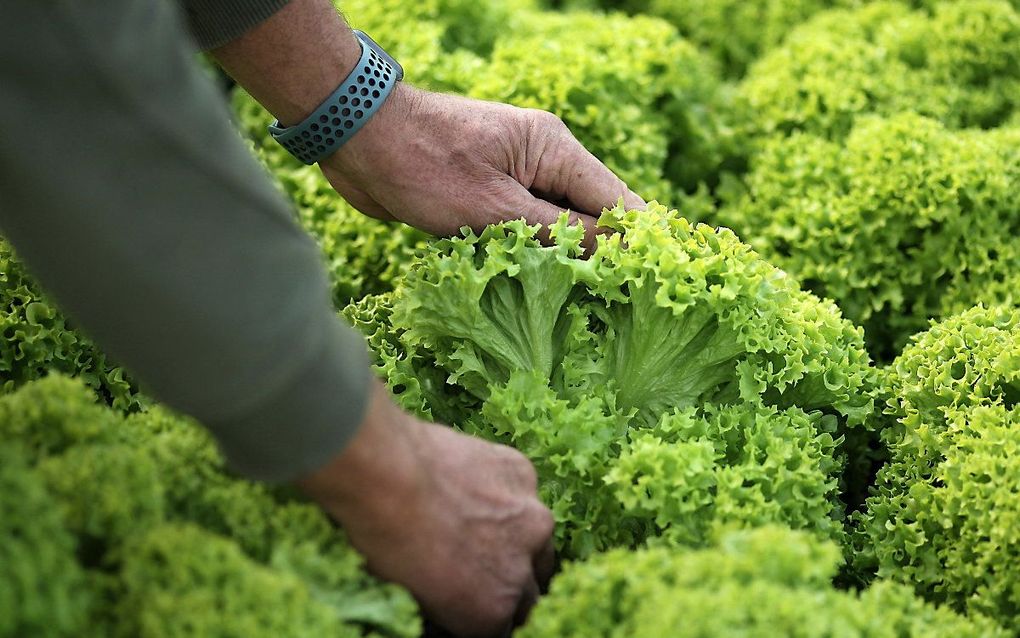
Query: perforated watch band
[{"x": 346, "y": 110}]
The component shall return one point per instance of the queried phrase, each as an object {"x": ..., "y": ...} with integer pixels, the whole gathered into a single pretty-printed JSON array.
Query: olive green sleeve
[
  {"x": 127, "y": 192},
  {"x": 216, "y": 22}
]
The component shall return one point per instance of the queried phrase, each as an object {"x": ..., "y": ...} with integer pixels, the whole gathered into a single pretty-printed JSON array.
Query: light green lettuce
[
  {"x": 766, "y": 582},
  {"x": 944, "y": 513},
  {"x": 640, "y": 97},
  {"x": 903, "y": 221},
  {"x": 113, "y": 525},
  {"x": 669, "y": 336},
  {"x": 958, "y": 62}
]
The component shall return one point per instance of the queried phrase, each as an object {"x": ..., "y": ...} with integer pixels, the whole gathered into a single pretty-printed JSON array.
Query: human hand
[
  {"x": 439, "y": 162},
  {"x": 434, "y": 161},
  {"x": 453, "y": 518}
]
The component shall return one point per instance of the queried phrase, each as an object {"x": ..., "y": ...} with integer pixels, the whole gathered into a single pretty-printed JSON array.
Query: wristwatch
[{"x": 347, "y": 109}]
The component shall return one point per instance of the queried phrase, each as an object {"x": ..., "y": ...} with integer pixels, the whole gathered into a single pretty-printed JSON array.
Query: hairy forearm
[
  {"x": 291, "y": 62},
  {"x": 214, "y": 22}
]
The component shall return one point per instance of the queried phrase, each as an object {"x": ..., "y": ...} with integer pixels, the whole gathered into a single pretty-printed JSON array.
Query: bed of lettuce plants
[{"x": 784, "y": 400}]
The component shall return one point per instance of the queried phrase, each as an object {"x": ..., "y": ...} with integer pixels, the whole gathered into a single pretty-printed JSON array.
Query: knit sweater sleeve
[
  {"x": 135, "y": 203},
  {"x": 213, "y": 23}
]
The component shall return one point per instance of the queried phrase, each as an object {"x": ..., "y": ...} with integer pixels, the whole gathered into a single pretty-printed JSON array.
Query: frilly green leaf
[{"x": 576, "y": 361}]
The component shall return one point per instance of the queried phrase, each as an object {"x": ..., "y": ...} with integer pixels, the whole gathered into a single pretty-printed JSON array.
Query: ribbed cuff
[
  {"x": 308, "y": 422},
  {"x": 215, "y": 22}
]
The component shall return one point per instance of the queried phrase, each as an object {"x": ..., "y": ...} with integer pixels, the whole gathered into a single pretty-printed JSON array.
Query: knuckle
[
  {"x": 497, "y": 610},
  {"x": 544, "y": 521},
  {"x": 462, "y": 152},
  {"x": 547, "y": 519},
  {"x": 515, "y": 468},
  {"x": 530, "y": 477},
  {"x": 548, "y": 121},
  {"x": 526, "y": 472},
  {"x": 513, "y": 456}
]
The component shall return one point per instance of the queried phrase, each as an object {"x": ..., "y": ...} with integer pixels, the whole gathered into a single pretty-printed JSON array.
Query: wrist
[
  {"x": 379, "y": 472},
  {"x": 291, "y": 62},
  {"x": 343, "y": 114},
  {"x": 297, "y": 101},
  {"x": 392, "y": 127}
]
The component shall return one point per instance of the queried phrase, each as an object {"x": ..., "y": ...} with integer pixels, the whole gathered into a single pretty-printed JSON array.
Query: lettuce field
[{"x": 784, "y": 400}]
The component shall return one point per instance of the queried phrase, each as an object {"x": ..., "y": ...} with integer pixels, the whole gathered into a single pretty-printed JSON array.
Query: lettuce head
[{"x": 672, "y": 352}]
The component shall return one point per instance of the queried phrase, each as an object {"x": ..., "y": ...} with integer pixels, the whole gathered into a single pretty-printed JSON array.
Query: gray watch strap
[{"x": 346, "y": 110}]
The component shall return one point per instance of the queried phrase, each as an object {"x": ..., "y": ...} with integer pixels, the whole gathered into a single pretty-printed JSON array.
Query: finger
[
  {"x": 586, "y": 182},
  {"x": 543, "y": 555},
  {"x": 432, "y": 630},
  {"x": 538, "y": 211},
  {"x": 528, "y": 599},
  {"x": 544, "y": 564}
]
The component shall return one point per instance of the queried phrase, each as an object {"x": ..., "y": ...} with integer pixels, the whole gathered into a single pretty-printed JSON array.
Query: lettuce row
[
  {"x": 119, "y": 523},
  {"x": 734, "y": 32},
  {"x": 764, "y": 582},
  {"x": 455, "y": 25},
  {"x": 944, "y": 513},
  {"x": 673, "y": 351},
  {"x": 903, "y": 221},
  {"x": 958, "y": 63},
  {"x": 41, "y": 584},
  {"x": 698, "y": 471},
  {"x": 175, "y": 568},
  {"x": 640, "y": 97},
  {"x": 635, "y": 93},
  {"x": 35, "y": 338}
]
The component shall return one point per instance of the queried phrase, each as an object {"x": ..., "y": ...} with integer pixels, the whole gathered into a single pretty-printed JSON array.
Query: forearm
[
  {"x": 132, "y": 199},
  {"x": 295, "y": 59},
  {"x": 436, "y": 162},
  {"x": 213, "y": 22}
]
